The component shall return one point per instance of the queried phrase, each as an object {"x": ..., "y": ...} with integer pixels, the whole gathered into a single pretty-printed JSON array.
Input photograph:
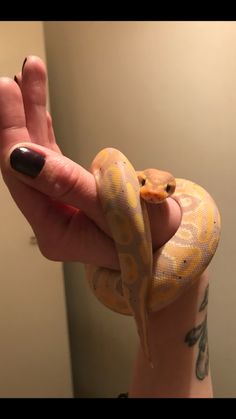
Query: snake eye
[
  {"x": 142, "y": 179},
  {"x": 168, "y": 188}
]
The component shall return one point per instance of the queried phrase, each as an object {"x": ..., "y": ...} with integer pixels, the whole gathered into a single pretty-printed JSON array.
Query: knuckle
[{"x": 63, "y": 180}]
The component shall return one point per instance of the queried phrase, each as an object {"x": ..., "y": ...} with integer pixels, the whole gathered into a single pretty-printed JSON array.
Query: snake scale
[{"x": 149, "y": 281}]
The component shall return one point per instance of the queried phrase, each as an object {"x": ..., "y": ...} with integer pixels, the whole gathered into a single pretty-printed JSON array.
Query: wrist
[{"x": 180, "y": 369}]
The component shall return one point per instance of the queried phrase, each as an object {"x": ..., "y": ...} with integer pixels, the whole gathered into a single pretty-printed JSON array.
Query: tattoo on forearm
[
  {"x": 199, "y": 333},
  {"x": 205, "y": 299}
]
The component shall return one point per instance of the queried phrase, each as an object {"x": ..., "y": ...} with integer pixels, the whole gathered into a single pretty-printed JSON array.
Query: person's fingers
[
  {"x": 164, "y": 219},
  {"x": 65, "y": 181},
  {"x": 56, "y": 176},
  {"x": 63, "y": 232},
  {"x": 50, "y": 131},
  {"x": 34, "y": 93},
  {"x": 78, "y": 184},
  {"x": 12, "y": 116}
]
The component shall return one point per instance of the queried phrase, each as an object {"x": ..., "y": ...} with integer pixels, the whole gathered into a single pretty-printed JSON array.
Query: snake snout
[
  {"x": 153, "y": 197},
  {"x": 156, "y": 195}
]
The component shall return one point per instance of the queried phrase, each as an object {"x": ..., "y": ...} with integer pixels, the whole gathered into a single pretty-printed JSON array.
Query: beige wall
[
  {"x": 34, "y": 347},
  {"x": 165, "y": 94}
]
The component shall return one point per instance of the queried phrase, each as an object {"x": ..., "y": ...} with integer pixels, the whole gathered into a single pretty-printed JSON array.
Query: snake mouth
[
  {"x": 154, "y": 198},
  {"x": 157, "y": 195}
]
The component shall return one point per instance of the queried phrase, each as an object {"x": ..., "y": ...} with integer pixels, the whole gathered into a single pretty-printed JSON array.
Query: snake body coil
[{"x": 146, "y": 281}]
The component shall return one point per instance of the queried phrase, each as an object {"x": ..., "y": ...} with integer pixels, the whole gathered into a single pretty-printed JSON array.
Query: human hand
[
  {"x": 57, "y": 196},
  {"x": 61, "y": 204}
]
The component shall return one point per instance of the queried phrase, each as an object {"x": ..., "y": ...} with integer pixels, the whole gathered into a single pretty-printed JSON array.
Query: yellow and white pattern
[{"x": 146, "y": 281}]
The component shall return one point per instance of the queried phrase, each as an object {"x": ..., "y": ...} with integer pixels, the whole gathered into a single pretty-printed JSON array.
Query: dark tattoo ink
[
  {"x": 205, "y": 299},
  {"x": 199, "y": 333}
]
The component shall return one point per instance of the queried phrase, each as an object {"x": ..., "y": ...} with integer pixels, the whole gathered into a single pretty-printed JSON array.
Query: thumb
[
  {"x": 55, "y": 176},
  {"x": 61, "y": 179}
]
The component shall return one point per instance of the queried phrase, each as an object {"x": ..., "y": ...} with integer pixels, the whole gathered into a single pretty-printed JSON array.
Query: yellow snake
[{"x": 148, "y": 282}]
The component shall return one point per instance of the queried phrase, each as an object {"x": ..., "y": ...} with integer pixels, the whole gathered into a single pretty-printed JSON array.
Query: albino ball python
[{"x": 146, "y": 281}]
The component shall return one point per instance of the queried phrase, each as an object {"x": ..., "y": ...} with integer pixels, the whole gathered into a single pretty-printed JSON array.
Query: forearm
[{"x": 178, "y": 340}]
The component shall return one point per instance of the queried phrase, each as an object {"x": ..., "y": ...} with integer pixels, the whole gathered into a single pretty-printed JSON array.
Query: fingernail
[
  {"x": 16, "y": 80},
  {"x": 27, "y": 161},
  {"x": 23, "y": 65}
]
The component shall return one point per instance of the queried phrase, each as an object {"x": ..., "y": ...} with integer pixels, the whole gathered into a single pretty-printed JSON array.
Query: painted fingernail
[
  {"x": 27, "y": 161},
  {"x": 23, "y": 65},
  {"x": 16, "y": 80}
]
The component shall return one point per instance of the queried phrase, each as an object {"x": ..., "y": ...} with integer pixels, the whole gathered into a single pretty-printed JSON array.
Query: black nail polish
[
  {"x": 27, "y": 161},
  {"x": 16, "y": 80},
  {"x": 23, "y": 65}
]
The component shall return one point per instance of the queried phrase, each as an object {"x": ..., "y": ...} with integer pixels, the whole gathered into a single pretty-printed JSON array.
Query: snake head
[{"x": 156, "y": 185}]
